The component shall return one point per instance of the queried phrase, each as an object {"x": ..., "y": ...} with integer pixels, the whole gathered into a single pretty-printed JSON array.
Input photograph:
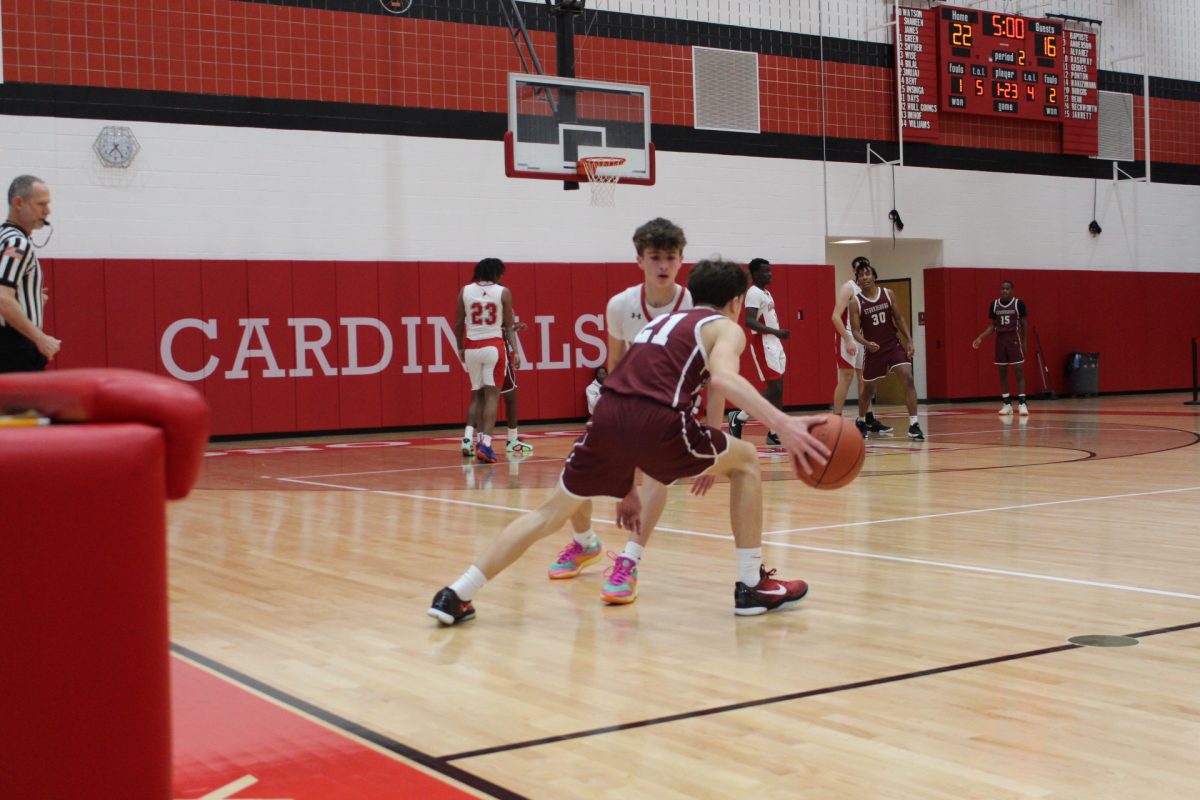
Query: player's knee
[{"x": 741, "y": 457}]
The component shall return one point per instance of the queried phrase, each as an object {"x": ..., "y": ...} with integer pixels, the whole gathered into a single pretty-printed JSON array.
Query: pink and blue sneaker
[
  {"x": 620, "y": 581},
  {"x": 573, "y": 558},
  {"x": 484, "y": 453}
]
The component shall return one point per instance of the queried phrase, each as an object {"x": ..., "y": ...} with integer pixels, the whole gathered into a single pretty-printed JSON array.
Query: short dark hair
[
  {"x": 758, "y": 263},
  {"x": 1009, "y": 284},
  {"x": 22, "y": 186},
  {"x": 660, "y": 234},
  {"x": 489, "y": 269},
  {"x": 715, "y": 281}
]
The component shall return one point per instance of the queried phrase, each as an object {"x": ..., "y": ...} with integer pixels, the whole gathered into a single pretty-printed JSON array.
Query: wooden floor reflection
[{"x": 930, "y": 660}]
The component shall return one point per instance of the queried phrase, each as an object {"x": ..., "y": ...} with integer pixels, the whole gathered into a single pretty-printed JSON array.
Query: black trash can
[{"x": 1083, "y": 369}]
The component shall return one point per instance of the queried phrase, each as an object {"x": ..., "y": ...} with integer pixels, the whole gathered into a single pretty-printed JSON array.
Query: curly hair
[{"x": 659, "y": 234}]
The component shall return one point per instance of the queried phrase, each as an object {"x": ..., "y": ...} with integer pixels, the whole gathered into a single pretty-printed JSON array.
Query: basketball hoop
[{"x": 604, "y": 185}]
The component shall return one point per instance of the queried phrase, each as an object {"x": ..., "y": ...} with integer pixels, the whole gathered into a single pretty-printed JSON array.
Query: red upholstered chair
[{"x": 84, "y": 648}]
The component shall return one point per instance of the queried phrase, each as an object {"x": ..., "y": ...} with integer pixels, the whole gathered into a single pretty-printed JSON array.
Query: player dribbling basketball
[{"x": 651, "y": 391}]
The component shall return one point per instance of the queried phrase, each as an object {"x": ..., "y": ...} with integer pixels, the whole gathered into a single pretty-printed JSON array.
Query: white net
[{"x": 602, "y": 179}]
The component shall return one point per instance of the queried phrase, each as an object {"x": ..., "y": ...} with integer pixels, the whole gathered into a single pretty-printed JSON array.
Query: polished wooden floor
[{"x": 930, "y": 659}]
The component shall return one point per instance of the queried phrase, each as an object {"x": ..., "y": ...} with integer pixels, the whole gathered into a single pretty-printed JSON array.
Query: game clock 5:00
[{"x": 1000, "y": 64}]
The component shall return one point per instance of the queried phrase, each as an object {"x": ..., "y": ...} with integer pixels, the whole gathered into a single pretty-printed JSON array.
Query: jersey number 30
[
  {"x": 879, "y": 318},
  {"x": 483, "y": 314}
]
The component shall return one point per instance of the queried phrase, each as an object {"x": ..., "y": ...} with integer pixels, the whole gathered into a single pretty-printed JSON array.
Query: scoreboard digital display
[{"x": 1000, "y": 64}]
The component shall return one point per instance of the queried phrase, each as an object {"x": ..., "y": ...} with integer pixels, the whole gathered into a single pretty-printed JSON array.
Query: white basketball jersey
[
  {"x": 484, "y": 309},
  {"x": 628, "y": 312},
  {"x": 765, "y": 303}
]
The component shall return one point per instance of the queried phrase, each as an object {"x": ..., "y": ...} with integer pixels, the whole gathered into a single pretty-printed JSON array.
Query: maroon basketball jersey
[
  {"x": 877, "y": 318},
  {"x": 666, "y": 362},
  {"x": 1007, "y": 318}
]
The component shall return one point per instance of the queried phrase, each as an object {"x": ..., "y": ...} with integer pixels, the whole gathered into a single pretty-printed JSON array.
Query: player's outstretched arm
[{"x": 725, "y": 341}]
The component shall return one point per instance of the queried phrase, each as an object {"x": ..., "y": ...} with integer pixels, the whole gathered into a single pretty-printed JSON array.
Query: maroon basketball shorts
[
  {"x": 1009, "y": 349},
  {"x": 630, "y": 433},
  {"x": 878, "y": 364}
]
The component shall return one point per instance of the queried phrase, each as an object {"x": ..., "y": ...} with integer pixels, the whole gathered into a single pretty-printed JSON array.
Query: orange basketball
[{"x": 846, "y": 453}]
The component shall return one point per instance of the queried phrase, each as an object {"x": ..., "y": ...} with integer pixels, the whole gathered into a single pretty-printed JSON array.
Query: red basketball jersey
[
  {"x": 878, "y": 319},
  {"x": 666, "y": 362}
]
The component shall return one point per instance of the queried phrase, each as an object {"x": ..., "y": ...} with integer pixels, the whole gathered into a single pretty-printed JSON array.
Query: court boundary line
[
  {"x": 442, "y": 765},
  {"x": 784, "y": 698}
]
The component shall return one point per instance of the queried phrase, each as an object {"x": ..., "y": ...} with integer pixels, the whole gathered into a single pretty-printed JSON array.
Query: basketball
[{"x": 846, "y": 453}]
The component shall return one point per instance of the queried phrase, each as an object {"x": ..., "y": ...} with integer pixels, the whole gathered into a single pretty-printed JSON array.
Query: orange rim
[{"x": 595, "y": 162}]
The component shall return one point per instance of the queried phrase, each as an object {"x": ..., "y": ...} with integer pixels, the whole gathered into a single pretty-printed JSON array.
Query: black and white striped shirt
[{"x": 19, "y": 268}]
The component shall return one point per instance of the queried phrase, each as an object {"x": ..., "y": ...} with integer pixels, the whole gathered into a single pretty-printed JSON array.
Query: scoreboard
[
  {"x": 993, "y": 63},
  {"x": 970, "y": 61}
]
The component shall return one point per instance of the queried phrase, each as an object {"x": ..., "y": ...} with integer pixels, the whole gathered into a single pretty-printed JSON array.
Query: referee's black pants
[{"x": 18, "y": 354}]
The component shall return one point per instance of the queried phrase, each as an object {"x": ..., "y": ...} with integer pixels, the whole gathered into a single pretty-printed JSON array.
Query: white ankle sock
[
  {"x": 634, "y": 550},
  {"x": 586, "y": 539},
  {"x": 469, "y": 433},
  {"x": 471, "y": 582},
  {"x": 912, "y": 420},
  {"x": 742, "y": 416},
  {"x": 749, "y": 560},
  {"x": 512, "y": 434}
]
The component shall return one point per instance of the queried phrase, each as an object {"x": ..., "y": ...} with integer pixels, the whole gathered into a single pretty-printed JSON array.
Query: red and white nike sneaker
[{"x": 768, "y": 595}]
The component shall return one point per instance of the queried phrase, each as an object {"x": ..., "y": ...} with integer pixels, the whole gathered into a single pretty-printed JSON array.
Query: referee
[{"x": 23, "y": 345}]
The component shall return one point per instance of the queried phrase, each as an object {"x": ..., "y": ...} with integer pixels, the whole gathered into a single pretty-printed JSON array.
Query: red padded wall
[
  {"x": 443, "y": 398},
  {"x": 556, "y": 384},
  {"x": 272, "y": 399},
  {"x": 116, "y": 313},
  {"x": 358, "y": 296},
  {"x": 224, "y": 300},
  {"x": 400, "y": 384},
  {"x": 314, "y": 296},
  {"x": 1140, "y": 323},
  {"x": 129, "y": 314},
  {"x": 589, "y": 299},
  {"x": 176, "y": 287},
  {"x": 79, "y": 319}
]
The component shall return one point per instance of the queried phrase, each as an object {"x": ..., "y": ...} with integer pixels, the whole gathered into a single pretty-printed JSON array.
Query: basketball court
[{"x": 930, "y": 659}]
